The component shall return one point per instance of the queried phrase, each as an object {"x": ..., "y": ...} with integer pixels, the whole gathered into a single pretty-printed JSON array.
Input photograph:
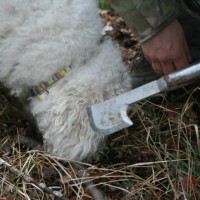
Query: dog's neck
[{"x": 41, "y": 90}]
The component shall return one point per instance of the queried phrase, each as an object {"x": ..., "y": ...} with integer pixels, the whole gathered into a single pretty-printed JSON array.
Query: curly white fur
[{"x": 39, "y": 37}]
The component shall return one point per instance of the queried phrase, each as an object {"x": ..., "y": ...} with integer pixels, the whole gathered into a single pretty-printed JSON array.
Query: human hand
[{"x": 167, "y": 51}]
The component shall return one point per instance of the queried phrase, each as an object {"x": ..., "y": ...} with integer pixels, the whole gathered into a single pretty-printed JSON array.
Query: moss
[{"x": 103, "y": 4}]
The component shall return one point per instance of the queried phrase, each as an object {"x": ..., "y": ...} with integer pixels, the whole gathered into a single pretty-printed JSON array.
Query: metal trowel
[{"x": 111, "y": 116}]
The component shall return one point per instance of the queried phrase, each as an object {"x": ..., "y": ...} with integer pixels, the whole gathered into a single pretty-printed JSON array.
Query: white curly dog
[{"x": 51, "y": 53}]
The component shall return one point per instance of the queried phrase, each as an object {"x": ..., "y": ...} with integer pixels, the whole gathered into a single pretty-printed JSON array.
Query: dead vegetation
[{"x": 157, "y": 158}]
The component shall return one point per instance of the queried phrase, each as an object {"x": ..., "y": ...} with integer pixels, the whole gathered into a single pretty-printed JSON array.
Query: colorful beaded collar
[{"x": 41, "y": 90}]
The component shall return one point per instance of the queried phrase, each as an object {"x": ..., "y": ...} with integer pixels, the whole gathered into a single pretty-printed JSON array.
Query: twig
[
  {"x": 28, "y": 179},
  {"x": 94, "y": 191}
]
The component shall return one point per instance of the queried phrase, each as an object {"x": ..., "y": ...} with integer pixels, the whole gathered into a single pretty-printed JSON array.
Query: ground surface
[{"x": 157, "y": 158}]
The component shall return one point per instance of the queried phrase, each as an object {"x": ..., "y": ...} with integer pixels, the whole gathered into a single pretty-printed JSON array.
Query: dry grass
[{"x": 157, "y": 158}]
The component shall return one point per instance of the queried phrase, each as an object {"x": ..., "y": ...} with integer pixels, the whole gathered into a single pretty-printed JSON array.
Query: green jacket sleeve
[{"x": 146, "y": 17}]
